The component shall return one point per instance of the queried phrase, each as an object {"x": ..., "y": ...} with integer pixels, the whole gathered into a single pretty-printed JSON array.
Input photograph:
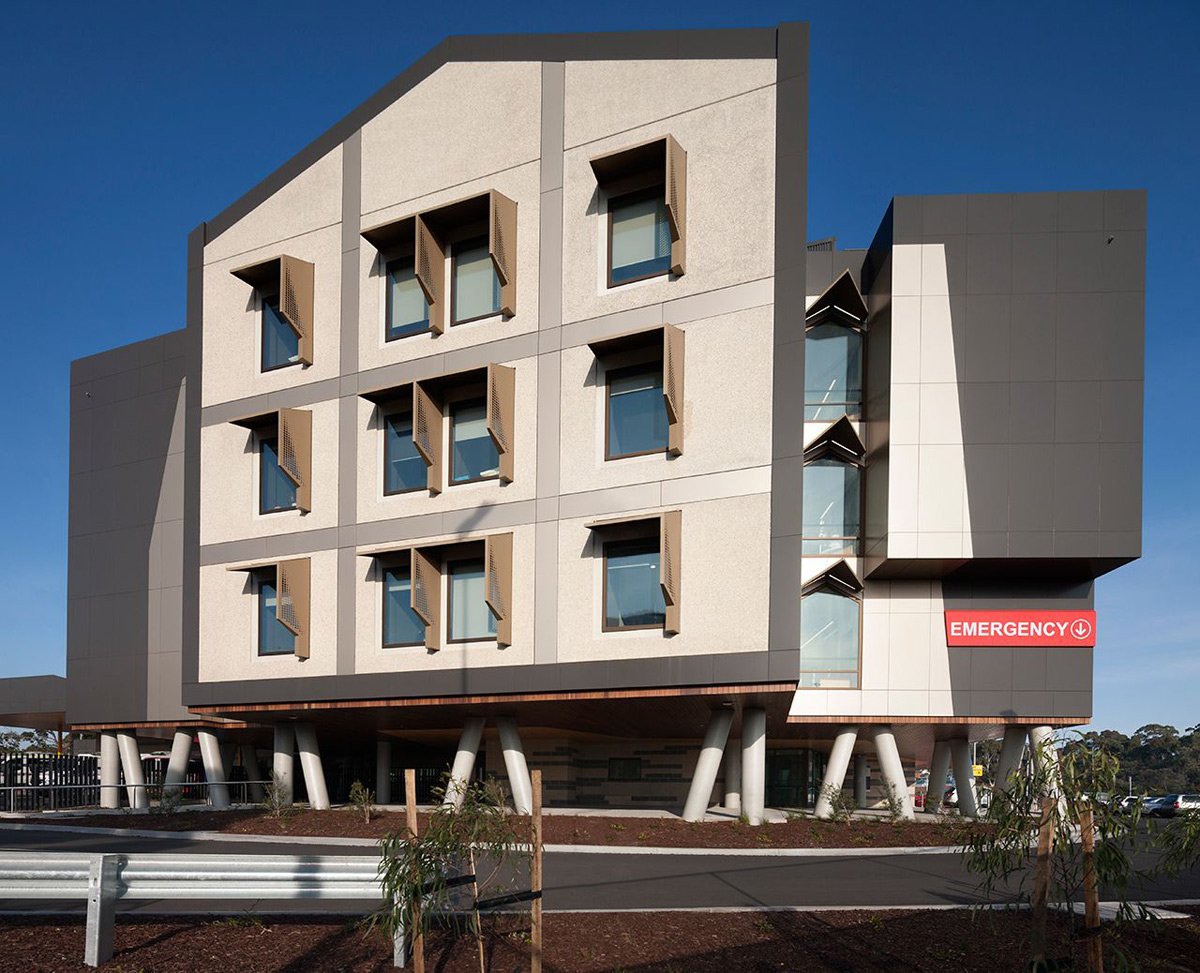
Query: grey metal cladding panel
[
  {"x": 989, "y": 263},
  {"x": 1077, "y": 412},
  {"x": 943, "y": 215},
  {"x": 1033, "y": 338},
  {"x": 1029, "y": 669},
  {"x": 1034, "y": 263},
  {"x": 1077, "y": 487},
  {"x": 1069, "y": 669},
  {"x": 1125, "y": 209},
  {"x": 1123, "y": 260},
  {"x": 987, "y": 327},
  {"x": 1080, "y": 260},
  {"x": 818, "y": 270},
  {"x": 989, "y": 213},
  {"x": 907, "y": 219},
  {"x": 985, "y": 412},
  {"x": 977, "y": 595},
  {"x": 1031, "y": 487},
  {"x": 1031, "y": 412},
  {"x": 1121, "y": 489},
  {"x": 992, "y": 668},
  {"x": 988, "y": 469},
  {"x": 1080, "y": 211}
]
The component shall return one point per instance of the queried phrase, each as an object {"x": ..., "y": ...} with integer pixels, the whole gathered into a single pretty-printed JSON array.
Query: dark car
[{"x": 1174, "y": 804}]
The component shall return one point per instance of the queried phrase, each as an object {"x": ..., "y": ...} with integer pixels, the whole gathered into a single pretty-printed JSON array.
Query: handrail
[{"x": 102, "y": 879}]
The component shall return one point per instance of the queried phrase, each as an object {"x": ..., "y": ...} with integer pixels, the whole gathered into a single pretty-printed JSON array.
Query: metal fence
[{"x": 46, "y": 781}]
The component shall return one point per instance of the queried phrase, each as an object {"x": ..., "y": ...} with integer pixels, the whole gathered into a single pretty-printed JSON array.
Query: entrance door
[{"x": 787, "y": 778}]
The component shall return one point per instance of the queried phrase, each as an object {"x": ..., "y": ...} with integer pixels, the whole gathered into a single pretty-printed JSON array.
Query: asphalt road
[{"x": 616, "y": 881}]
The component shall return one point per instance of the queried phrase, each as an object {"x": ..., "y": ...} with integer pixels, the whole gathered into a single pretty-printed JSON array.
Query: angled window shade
[
  {"x": 293, "y": 280},
  {"x": 676, "y": 200},
  {"x": 501, "y": 406},
  {"x": 673, "y": 387},
  {"x": 293, "y": 601},
  {"x": 670, "y": 529},
  {"x": 295, "y": 453},
  {"x": 427, "y": 433},
  {"x": 502, "y": 245},
  {"x": 426, "y": 594},
  {"x": 498, "y": 549},
  {"x": 431, "y": 272}
]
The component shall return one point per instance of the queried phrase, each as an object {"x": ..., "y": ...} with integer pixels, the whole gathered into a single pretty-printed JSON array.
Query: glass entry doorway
[{"x": 794, "y": 777}]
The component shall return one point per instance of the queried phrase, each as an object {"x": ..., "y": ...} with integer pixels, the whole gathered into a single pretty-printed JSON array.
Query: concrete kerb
[{"x": 550, "y": 849}]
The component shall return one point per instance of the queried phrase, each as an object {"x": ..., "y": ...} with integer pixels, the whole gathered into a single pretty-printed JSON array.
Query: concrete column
[
  {"x": 110, "y": 770},
  {"x": 383, "y": 771},
  {"x": 1010, "y": 755},
  {"x": 835, "y": 769},
  {"x": 892, "y": 768},
  {"x": 754, "y": 764},
  {"x": 464, "y": 761},
  {"x": 181, "y": 753},
  {"x": 939, "y": 769},
  {"x": 860, "y": 780},
  {"x": 1041, "y": 743},
  {"x": 214, "y": 769},
  {"x": 707, "y": 765},
  {"x": 733, "y": 776},
  {"x": 253, "y": 773},
  {"x": 964, "y": 780},
  {"x": 515, "y": 764},
  {"x": 131, "y": 764},
  {"x": 283, "y": 763},
  {"x": 310, "y": 766}
]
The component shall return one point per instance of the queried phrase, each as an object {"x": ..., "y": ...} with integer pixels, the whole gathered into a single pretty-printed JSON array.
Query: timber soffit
[{"x": 717, "y": 44}]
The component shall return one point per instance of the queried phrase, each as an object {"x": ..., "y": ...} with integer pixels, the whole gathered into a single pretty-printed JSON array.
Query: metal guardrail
[{"x": 104, "y": 879}]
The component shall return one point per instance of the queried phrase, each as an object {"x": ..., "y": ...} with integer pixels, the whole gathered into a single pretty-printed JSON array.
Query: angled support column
[
  {"x": 253, "y": 773},
  {"x": 707, "y": 765},
  {"x": 181, "y": 753},
  {"x": 310, "y": 765},
  {"x": 283, "y": 764},
  {"x": 835, "y": 770},
  {"x": 939, "y": 770},
  {"x": 754, "y": 764},
  {"x": 733, "y": 776},
  {"x": 860, "y": 780},
  {"x": 383, "y": 771},
  {"x": 1041, "y": 743},
  {"x": 964, "y": 779},
  {"x": 131, "y": 764},
  {"x": 110, "y": 770},
  {"x": 515, "y": 764},
  {"x": 893, "y": 769},
  {"x": 1011, "y": 751},
  {"x": 463, "y": 768},
  {"x": 214, "y": 769}
]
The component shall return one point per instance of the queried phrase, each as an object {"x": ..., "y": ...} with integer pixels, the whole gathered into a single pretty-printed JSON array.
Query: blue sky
[{"x": 124, "y": 125}]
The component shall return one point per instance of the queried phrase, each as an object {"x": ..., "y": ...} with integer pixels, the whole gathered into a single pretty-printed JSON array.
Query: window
[
  {"x": 280, "y": 343},
  {"x": 625, "y": 768},
  {"x": 407, "y": 307},
  {"x": 829, "y": 640},
  {"x": 475, "y": 285},
  {"x": 831, "y": 508},
  {"x": 274, "y": 638},
  {"x": 832, "y": 372},
  {"x": 470, "y": 618},
  {"x": 473, "y": 454},
  {"x": 401, "y": 625},
  {"x": 403, "y": 467},
  {"x": 637, "y": 412},
  {"x": 633, "y": 596},
  {"x": 276, "y": 489},
  {"x": 639, "y": 237}
]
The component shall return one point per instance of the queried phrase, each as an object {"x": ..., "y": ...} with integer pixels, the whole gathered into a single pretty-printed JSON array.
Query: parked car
[
  {"x": 1126, "y": 804},
  {"x": 1174, "y": 804},
  {"x": 1155, "y": 807}
]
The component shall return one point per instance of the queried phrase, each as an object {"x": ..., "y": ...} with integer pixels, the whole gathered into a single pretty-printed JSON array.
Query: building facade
[{"x": 515, "y": 422}]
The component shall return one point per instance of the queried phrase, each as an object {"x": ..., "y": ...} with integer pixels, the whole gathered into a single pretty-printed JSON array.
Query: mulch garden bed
[
  {"x": 560, "y": 829},
  {"x": 845, "y": 942}
]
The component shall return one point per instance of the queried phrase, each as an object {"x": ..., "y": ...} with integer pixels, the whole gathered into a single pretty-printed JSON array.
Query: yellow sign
[{"x": 977, "y": 769}]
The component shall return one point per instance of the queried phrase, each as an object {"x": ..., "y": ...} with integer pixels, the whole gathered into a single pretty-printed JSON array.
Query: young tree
[
  {"x": 481, "y": 845},
  {"x": 1030, "y": 850}
]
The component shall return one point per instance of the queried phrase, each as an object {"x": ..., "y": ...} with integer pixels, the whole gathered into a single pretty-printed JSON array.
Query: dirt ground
[
  {"x": 836, "y": 942},
  {"x": 560, "y": 829}
]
